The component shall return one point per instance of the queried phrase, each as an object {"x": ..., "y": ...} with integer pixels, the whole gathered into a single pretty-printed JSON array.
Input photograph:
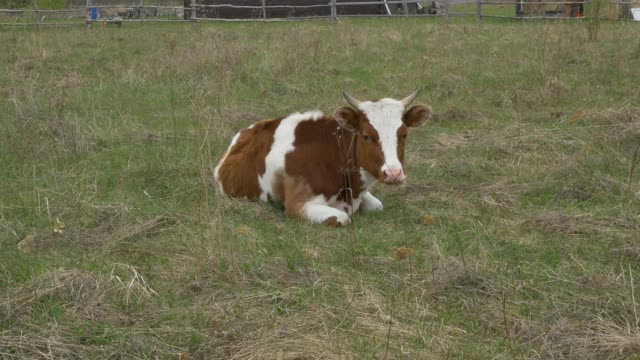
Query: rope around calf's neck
[{"x": 348, "y": 161}]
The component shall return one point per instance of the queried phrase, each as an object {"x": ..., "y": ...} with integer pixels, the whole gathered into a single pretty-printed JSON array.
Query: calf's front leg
[
  {"x": 320, "y": 213},
  {"x": 370, "y": 203},
  {"x": 300, "y": 202}
]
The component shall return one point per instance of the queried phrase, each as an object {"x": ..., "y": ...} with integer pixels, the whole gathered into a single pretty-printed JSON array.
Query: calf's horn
[
  {"x": 351, "y": 100},
  {"x": 409, "y": 99}
]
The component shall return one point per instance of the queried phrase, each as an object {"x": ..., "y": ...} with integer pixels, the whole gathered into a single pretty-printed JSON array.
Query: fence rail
[{"x": 200, "y": 10}]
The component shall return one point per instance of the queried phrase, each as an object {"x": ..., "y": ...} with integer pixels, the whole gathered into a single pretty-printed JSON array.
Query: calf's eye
[{"x": 366, "y": 137}]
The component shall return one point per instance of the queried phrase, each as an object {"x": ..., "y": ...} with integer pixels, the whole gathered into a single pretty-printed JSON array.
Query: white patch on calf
[
  {"x": 318, "y": 210},
  {"x": 386, "y": 117},
  {"x": 283, "y": 140},
  {"x": 367, "y": 179},
  {"x": 370, "y": 202}
]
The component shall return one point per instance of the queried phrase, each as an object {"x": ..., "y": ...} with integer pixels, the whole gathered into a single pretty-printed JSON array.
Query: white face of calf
[
  {"x": 385, "y": 116},
  {"x": 382, "y": 127}
]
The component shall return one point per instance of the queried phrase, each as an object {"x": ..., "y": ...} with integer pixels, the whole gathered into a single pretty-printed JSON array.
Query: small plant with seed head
[{"x": 58, "y": 227}]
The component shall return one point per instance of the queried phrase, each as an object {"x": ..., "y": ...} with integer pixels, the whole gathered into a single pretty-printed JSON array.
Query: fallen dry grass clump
[
  {"x": 114, "y": 224},
  {"x": 296, "y": 338},
  {"x": 555, "y": 223},
  {"x": 83, "y": 297},
  {"x": 580, "y": 224},
  {"x": 33, "y": 346},
  {"x": 595, "y": 338},
  {"x": 628, "y": 115},
  {"x": 81, "y": 292}
]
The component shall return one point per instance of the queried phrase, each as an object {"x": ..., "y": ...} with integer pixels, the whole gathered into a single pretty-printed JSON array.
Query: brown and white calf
[{"x": 320, "y": 167}]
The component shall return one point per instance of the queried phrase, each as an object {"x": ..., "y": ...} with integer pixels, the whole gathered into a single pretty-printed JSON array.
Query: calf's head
[{"x": 382, "y": 131}]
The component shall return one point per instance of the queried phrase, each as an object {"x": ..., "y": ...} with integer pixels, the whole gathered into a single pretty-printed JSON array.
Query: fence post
[
  {"x": 264, "y": 10},
  {"x": 88, "y": 6},
  {"x": 36, "y": 10},
  {"x": 192, "y": 16},
  {"x": 334, "y": 13},
  {"x": 478, "y": 10},
  {"x": 446, "y": 9},
  {"x": 405, "y": 7},
  {"x": 625, "y": 8},
  {"x": 186, "y": 10},
  {"x": 141, "y": 11}
]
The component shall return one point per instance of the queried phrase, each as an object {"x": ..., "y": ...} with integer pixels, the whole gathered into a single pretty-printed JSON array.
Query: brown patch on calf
[
  {"x": 369, "y": 153},
  {"x": 321, "y": 157},
  {"x": 348, "y": 118},
  {"x": 296, "y": 193},
  {"x": 333, "y": 222},
  {"x": 402, "y": 141},
  {"x": 417, "y": 115},
  {"x": 278, "y": 190},
  {"x": 244, "y": 161}
]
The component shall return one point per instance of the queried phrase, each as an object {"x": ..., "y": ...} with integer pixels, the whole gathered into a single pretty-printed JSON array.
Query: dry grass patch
[
  {"x": 595, "y": 338},
  {"x": 579, "y": 224},
  {"x": 82, "y": 293},
  {"x": 294, "y": 337}
]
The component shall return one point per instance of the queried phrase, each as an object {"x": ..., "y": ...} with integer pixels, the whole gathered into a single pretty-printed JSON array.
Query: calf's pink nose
[{"x": 393, "y": 174}]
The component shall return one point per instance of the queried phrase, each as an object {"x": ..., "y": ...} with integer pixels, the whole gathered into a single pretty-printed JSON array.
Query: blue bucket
[{"x": 94, "y": 13}]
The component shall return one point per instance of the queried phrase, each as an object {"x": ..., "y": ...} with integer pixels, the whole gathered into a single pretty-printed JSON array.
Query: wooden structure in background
[
  {"x": 276, "y": 9},
  {"x": 621, "y": 9},
  {"x": 571, "y": 8}
]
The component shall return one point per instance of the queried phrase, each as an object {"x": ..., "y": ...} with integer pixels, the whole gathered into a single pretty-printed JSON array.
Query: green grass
[
  {"x": 114, "y": 243},
  {"x": 50, "y": 4}
]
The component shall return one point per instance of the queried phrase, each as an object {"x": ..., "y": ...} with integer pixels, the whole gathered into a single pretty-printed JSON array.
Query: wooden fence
[{"x": 104, "y": 12}]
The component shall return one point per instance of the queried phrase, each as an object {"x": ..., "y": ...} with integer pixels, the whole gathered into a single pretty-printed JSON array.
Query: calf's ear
[
  {"x": 348, "y": 118},
  {"x": 417, "y": 115}
]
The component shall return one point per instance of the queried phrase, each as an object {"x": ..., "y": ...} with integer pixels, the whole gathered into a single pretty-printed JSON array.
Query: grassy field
[{"x": 517, "y": 235}]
